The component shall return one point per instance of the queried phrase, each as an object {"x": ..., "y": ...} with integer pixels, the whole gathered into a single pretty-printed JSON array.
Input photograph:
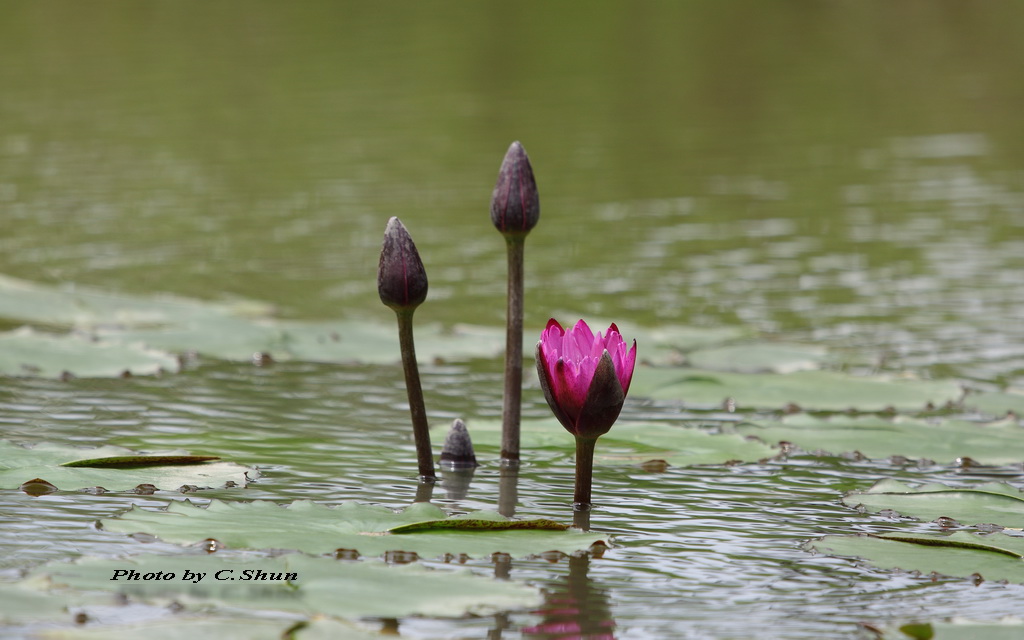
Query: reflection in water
[
  {"x": 508, "y": 490},
  {"x": 456, "y": 482},
  {"x": 576, "y": 608},
  {"x": 581, "y": 519},
  {"x": 424, "y": 490}
]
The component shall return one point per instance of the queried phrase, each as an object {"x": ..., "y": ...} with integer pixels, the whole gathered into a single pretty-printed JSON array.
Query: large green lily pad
[
  {"x": 961, "y": 554},
  {"x": 181, "y": 627},
  {"x": 759, "y": 357},
  {"x": 812, "y": 390},
  {"x": 293, "y": 583},
  {"x": 49, "y": 462},
  {"x": 30, "y": 353},
  {"x": 997, "y": 403},
  {"x": 630, "y": 442},
  {"x": 945, "y": 441},
  {"x": 992, "y": 503},
  {"x": 316, "y": 528}
]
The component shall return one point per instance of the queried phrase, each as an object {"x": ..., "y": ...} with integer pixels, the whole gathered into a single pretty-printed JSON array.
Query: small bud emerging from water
[
  {"x": 458, "y": 448},
  {"x": 515, "y": 204},
  {"x": 401, "y": 278}
]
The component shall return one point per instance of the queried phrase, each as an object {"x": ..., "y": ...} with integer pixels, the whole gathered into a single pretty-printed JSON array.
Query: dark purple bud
[
  {"x": 515, "y": 205},
  {"x": 401, "y": 278}
]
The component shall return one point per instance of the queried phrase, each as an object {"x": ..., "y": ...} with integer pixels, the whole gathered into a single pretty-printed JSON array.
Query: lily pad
[
  {"x": 956, "y": 629},
  {"x": 26, "y": 352},
  {"x": 813, "y": 390},
  {"x": 993, "y": 503},
  {"x": 50, "y": 462},
  {"x": 316, "y": 528},
  {"x": 291, "y": 583},
  {"x": 759, "y": 358},
  {"x": 961, "y": 554},
  {"x": 180, "y": 627},
  {"x": 632, "y": 442},
  {"x": 1000, "y": 442},
  {"x": 1011, "y": 401}
]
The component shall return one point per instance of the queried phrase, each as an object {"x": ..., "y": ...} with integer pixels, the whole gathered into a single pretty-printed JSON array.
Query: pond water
[{"x": 849, "y": 175}]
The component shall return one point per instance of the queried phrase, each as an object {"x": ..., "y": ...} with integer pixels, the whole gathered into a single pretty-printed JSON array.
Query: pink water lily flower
[{"x": 585, "y": 377}]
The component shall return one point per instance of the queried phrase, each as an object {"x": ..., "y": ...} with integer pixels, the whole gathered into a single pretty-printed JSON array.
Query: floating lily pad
[
  {"x": 239, "y": 329},
  {"x": 815, "y": 390},
  {"x": 82, "y": 307},
  {"x": 50, "y": 462},
  {"x": 956, "y": 629},
  {"x": 180, "y": 627},
  {"x": 291, "y": 583},
  {"x": 632, "y": 442},
  {"x": 961, "y": 554},
  {"x": 759, "y": 358},
  {"x": 26, "y": 352},
  {"x": 993, "y": 503},
  {"x": 316, "y": 528},
  {"x": 997, "y": 403},
  {"x": 945, "y": 441}
]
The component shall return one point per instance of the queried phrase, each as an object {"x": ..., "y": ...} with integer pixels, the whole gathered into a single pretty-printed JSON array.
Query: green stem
[
  {"x": 420, "y": 429},
  {"x": 510, "y": 414},
  {"x": 584, "y": 472}
]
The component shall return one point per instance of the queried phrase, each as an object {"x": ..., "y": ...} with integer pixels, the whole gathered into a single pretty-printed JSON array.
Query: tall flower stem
[
  {"x": 584, "y": 472},
  {"x": 420, "y": 429},
  {"x": 511, "y": 410}
]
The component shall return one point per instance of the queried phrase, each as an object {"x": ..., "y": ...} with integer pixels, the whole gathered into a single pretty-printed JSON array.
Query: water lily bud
[
  {"x": 401, "y": 278},
  {"x": 585, "y": 377},
  {"x": 458, "y": 448},
  {"x": 515, "y": 204}
]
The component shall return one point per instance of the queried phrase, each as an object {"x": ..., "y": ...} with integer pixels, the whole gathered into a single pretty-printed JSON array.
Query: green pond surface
[{"x": 848, "y": 176}]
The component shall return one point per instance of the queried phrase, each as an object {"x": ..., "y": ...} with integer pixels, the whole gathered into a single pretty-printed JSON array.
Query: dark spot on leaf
[
  {"x": 976, "y": 579},
  {"x": 145, "y": 489},
  {"x": 81, "y": 618},
  {"x": 346, "y": 554},
  {"x": 96, "y": 491},
  {"x": 188, "y": 488},
  {"x": 791, "y": 408},
  {"x": 945, "y": 522},
  {"x": 262, "y": 359}
]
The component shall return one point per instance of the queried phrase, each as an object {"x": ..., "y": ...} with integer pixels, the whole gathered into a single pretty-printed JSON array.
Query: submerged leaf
[
  {"x": 70, "y": 468},
  {"x": 316, "y": 528},
  {"x": 993, "y": 503}
]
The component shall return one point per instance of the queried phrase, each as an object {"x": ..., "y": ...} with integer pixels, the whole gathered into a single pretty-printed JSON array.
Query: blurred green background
[{"x": 788, "y": 165}]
